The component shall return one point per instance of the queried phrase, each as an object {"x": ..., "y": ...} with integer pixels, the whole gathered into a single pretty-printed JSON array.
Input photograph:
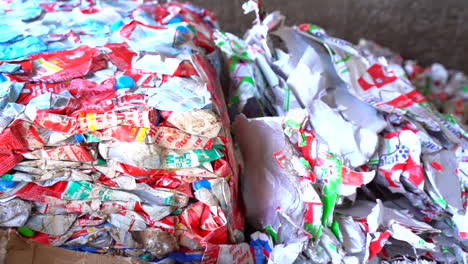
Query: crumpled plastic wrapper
[
  {"x": 347, "y": 155},
  {"x": 114, "y": 134}
]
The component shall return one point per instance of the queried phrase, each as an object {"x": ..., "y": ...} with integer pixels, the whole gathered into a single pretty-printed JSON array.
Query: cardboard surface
[{"x": 15, "y": 250}]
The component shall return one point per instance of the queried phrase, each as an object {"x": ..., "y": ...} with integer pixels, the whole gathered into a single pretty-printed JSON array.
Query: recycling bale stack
[
  {"x": 114, "y": 133},
  {"x": 362, "y": 165}
]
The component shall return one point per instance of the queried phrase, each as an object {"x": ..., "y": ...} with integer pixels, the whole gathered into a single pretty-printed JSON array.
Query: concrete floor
[{"x": 426, "y": 30}]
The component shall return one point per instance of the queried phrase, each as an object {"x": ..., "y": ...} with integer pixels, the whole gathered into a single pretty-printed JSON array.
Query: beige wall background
[{"x": 426, "y": 30}]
